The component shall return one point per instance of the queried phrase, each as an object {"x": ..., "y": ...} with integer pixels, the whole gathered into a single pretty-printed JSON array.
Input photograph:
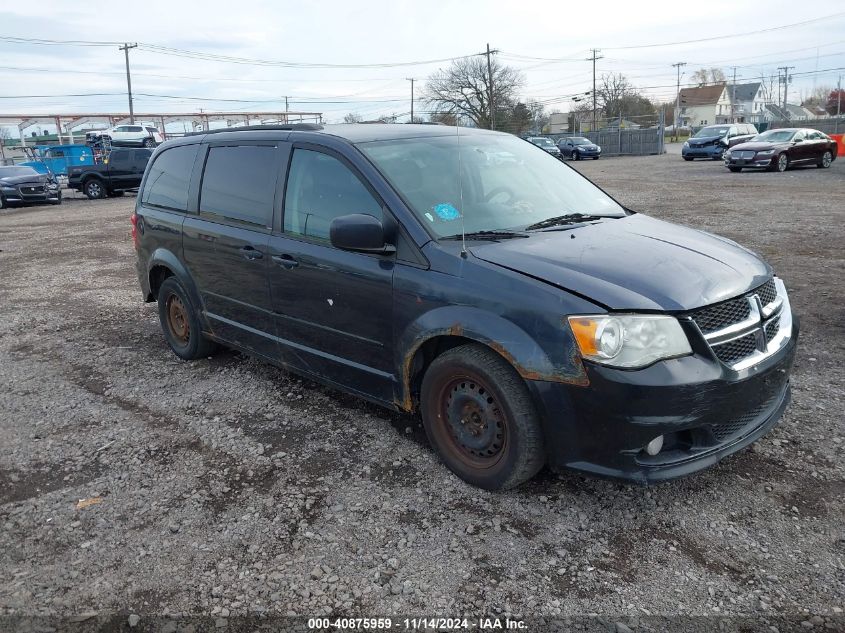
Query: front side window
[
  {"x": 168, "y": 178},
  {"x": 499, "y": 183},
  {"x": 321, "y": 188},
  {"x": 239, "y": 183}
]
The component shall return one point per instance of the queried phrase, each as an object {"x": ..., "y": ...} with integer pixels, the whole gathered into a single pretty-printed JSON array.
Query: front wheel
[
  {"x": 827, "y": 159},
  {"x": 180, "y": 322},
  {"x": 148, "y": 142},
  {"x": 479, "y": 417},
  {"x": 58, "y": 200},
  {"x": 735, "y": 169},
  {"x": 687, "y": 157},
  {"x": 2, "y": 202},
  {"x": 781, "y": 163},
  {"x": 94, "y": 189}
]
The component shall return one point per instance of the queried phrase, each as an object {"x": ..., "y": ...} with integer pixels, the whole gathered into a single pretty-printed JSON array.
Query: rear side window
[
  {"x": 118, "y": 157},
  {"x": 239, "y": 183},
  {"x": 169, "y": 177},
  {"x": 321, "y": 188}
]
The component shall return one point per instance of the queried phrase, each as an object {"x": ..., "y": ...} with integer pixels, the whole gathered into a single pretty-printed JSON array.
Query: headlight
[
  {"x": 686, "y": 143},
  {"x": 628, "y": 340},
  {"x": 766, "y": 152},
  {"x": 7, "y": 188},
  {"x": 52, "y": 186},
  {"x": 598, "y": 148}
]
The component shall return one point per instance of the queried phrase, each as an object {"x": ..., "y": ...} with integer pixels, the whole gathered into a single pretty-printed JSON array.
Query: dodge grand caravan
[{"x": 469, "y": 276}]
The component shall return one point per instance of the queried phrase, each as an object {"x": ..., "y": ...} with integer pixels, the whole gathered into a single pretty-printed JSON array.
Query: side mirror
[
  {"x": 359, "y": 232},
  {"x": 798, "y": 140}
]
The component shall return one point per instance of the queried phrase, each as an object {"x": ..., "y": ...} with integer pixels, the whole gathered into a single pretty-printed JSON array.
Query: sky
[{"x": 339, "y": 57}]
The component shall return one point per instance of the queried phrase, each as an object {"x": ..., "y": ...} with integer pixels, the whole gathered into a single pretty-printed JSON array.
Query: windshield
[
  {"x": 775, "y": 136},
  {"x": 577, "y": 140},
  {"x": 506, "y": 183},
  {"x": 6, "y": 172},
  {"x": 543, "y": 142},
  {"x": 713, "y": 130}
]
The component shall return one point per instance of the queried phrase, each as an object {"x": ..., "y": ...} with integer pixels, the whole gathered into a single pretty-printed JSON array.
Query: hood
[
  {"x": 634, "y": 263},
  {"x": 40, "y": 179},
  {"x": 759, "y": 146},
  {"x": 588, "y": 146},
  {"x": 703, "y": 140}
]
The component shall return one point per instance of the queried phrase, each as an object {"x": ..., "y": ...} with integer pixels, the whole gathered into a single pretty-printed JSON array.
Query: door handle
[
  {"x": 250, "y": 252},
  {"x": 285, "y": 261}
]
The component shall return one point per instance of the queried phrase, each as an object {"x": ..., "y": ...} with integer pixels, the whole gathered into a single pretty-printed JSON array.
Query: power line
[{"x": 723, "y": 37}]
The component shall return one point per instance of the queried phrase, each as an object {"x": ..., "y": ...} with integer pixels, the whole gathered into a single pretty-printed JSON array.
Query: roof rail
[{"x": 284, "y": 127}]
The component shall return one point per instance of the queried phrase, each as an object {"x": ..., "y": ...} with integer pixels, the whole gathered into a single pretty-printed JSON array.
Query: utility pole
[
  {"x": 286, "y": 109},
  {"x": 594, "y": 57},
  {"x": 677, "y": 101},
  {"x": 411, "y": 79},
  {"x": 785, "y": 80},
  {"x": 490, "y": 96},
  {"x": 839, "y": 96},
  {"x": 125, "y": 48},
  {"x": 733, "y": 98}
]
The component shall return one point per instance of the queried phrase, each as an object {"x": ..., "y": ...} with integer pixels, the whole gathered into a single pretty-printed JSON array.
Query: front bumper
[
  {"x": 708, "y": 151},
  {"x": 30, "y": 194},
  {"x": 755, "y": 161},
  {"x": 704, "y": 409}
]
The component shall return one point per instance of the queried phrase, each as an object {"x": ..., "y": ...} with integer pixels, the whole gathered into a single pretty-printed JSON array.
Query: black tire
[
  {"x": 826, "y": 160},
  {"x": 149, "y": 142},
  {"x": 596, "y": 157},
  {"x": 687, "y": 157},
  {"x": 180, "y": 322},
  {"x": 576, "y": 155},
  {"x": 735, "y": 169},
  {"x": 117, "y": 194},
  {"x": 780, "y": 163},
  {"x": 2, "y": 202},
  {"x": 94, "y": 188},
  {"x": 493, "y": 438},
  {"x": 58, "y": 201}
]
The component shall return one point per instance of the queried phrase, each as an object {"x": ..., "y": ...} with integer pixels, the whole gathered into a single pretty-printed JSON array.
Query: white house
[
  {"x": 749, "y": 102},
  {"x": 705, "y": 105}
]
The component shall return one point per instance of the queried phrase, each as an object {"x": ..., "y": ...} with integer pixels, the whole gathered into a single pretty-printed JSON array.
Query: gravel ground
[{"x": 228, "y": 487}]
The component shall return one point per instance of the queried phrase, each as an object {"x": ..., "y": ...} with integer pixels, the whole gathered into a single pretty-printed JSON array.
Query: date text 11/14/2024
[{"x": 416, "y": 624}]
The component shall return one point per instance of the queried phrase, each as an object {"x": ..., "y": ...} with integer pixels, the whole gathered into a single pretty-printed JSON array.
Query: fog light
[{"x": 654, "y": 446}]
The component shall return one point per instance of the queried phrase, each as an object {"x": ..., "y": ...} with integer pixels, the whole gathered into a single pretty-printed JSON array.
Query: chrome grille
[
  {"x": 723, "y": 314},
  {"x": 740, "y": 330},
  {"x": 737, "y": 349}
]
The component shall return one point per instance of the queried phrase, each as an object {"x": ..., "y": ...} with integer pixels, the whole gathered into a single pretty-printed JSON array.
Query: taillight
[{"x": 134, "y": 219}]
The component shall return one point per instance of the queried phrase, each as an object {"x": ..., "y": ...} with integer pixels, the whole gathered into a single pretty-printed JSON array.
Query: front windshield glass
[
  {"x": 775, "y": 136},
  {"x": 542, "y": 142},
  {"x": 713, "y": 130},
  {"x": 580, "y": 141},
  {"x": 506, "y": 183},
  {"x": 6, "y": 172}
]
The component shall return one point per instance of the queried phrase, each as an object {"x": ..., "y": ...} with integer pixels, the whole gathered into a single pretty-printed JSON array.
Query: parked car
[
  {"x": 20, "y": 185},
  {"x": 712, "y": 141},
  {"x": 578, "y": 148},
  {"x": 546, "y": 144},
  {"x": 527, "y": 316},
  {"x": 128, "y": 135},
  {"x": 778, "y": 150},
  {"x": 122, "y": 171}
]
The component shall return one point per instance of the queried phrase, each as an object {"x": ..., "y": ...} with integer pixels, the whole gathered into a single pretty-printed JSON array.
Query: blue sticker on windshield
[{"x": 446, "y": 212}]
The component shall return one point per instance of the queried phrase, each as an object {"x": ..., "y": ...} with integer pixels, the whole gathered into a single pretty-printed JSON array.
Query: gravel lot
[{"x": 228, "y": 487}]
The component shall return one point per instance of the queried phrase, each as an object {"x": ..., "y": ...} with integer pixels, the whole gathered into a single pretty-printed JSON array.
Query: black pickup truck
[{"x": 122, "y": 171}]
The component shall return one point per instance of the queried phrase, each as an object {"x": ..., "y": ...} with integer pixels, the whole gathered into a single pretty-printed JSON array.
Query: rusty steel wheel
[
  {"x": 177, "y": 320},
  {"x": 480, "y": 418},
  {"x": 180, "y": 322}
]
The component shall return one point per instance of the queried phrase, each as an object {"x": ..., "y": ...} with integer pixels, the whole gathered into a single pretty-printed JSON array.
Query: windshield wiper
[
  {"x": 569, "y": 218},
  {"x": 485, "y": 235}
]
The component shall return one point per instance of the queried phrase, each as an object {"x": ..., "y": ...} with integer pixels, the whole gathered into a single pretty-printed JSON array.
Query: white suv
[{"x": 140, "y": 135}]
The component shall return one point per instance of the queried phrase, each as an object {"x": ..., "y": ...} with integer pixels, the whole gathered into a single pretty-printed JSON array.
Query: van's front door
[{"x": 333, "y": 308}]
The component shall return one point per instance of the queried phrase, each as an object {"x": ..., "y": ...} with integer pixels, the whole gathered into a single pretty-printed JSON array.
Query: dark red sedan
[{"x": 780, "y": 149}]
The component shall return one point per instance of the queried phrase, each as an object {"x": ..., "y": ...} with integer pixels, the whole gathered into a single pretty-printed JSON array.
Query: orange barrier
[{"x": 840, "y": 142}]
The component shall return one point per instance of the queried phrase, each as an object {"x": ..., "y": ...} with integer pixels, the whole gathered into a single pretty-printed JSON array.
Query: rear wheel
[
  {"x": 479, "y": 417},
  {"x": 576, "y": 155},
  {"x": 734, "y": 169},
  {"x": 827, "y": 159},
  {"x": 148, "y": 142},
  {"x": 180, "y": 322},
  {"x": 94, "y": 189},
  {"x": 687, "y": 157}
]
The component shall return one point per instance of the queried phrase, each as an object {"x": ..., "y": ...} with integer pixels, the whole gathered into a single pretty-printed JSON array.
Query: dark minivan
[
  {"x": 529, "y": 317},
  {"x": 713, "y": 141}
]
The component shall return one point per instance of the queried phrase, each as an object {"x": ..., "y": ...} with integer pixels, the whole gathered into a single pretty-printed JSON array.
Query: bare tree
[
  {"x": 352, "y": 117},
  {"x": 464, "y": 89},
  {"x": 708, "y": 76},
  {"x": 446, "y": 118},
  {"x": 5, "y": 135}
]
